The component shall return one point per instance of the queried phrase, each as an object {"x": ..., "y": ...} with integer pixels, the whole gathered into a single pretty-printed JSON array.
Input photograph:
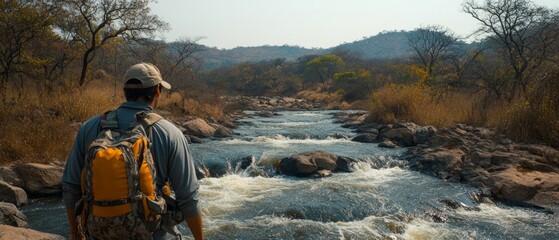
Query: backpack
[{"x": 119, "y": 199}]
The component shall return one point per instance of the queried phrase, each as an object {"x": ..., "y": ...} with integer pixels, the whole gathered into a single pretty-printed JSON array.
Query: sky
[{"x": 227, "y": 24}]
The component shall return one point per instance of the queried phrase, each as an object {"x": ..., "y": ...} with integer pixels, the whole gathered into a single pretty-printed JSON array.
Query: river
[{"x": 381, "y": 199}]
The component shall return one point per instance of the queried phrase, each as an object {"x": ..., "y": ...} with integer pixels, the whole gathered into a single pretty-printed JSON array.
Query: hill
[
  {"x": 385, "y": 45},
  {"x": 215, "y": 58}
]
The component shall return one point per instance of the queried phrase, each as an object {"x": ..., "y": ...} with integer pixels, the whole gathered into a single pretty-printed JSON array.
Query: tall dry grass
[
  {"x": 535, "y": 117},
  {"x": 423, "y": 105},
  {"x": 41, "y": 128},
  {"x": 178, "y": 105},
  {"x": 532, "y": 117}
]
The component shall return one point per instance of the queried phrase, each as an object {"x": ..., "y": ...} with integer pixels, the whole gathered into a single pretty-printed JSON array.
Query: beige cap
[{"x": 147, "y": 73}]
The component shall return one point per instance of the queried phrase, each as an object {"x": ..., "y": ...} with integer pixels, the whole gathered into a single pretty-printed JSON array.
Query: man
[{"x": 173, "y": 162}]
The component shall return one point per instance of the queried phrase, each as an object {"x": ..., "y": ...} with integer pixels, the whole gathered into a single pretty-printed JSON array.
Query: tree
[
  {"x": 324, "y": 66},
  {"x": 22, "y": 23},
  {"x": 523, "y": 31},
  {"x": 94, "y": 23},
  {"x": 432, "y": 45}
]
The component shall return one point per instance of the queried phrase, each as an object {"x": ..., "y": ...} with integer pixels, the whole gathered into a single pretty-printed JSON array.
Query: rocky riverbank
[
  {"x": 19, "y": 181},
  {"x": 522, "y": 174}
]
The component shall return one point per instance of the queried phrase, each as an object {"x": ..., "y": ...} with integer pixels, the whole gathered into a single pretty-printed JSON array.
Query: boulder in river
[
  {"x": 365, "y": 138},
  {"x": 10, "y": 215},
  {"x": 403, "y": 136},
  {"x": 199, "y": 127},
  {"x": 12, "y": 194},
  {"x": 41, "y": 179},
  {"x": 308, "y": 163},
  {"x": 221, "y": 131}
]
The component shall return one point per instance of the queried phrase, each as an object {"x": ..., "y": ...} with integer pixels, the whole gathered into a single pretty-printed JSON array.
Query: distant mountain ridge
[{"x": 385, "y": 45}]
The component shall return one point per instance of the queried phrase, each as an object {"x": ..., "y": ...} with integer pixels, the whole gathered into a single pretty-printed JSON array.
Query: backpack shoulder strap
[
  {"x": 109, "y": 120},
  {"x": 147, "y": 118}
]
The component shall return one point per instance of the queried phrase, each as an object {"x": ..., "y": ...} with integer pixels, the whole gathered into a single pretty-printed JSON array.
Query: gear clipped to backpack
[{"x": 118, "y": 181}]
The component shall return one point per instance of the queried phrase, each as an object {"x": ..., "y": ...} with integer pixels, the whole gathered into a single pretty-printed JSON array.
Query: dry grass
[
  {"x": 178, "y": 105},
  {"x": 420, "y": 104},
  {"x": 532, "y": 118},
  {"x": 41, "y": 128}
]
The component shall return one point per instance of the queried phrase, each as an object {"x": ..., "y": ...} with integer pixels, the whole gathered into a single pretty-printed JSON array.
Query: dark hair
[{"x": 133, "y": 94}]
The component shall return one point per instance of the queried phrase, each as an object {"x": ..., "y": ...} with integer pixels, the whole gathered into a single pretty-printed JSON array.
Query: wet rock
[
  {"x": 14, "y": 233},
  {"x": 367, "y": 129},
  {"x": 41, "y": 179},
  {"x": 322, "y": 173},
  {"x": 365, "y": 138},
  {"x": 194, "y": 139},
  {"x": 243, "y": 163},
  {"x": 344, "y": 164},
  {"x": 221, "y": 131},
  {"x": 387, "y": 144},
  {"x": 443, "y": 163},
  {"x": 306, "y": 164},
  {"x": 199, "y": 128},
  {"x": 12, "y": 194},
  {"x": 10, "y": 215},
  {"x": 202, "y": 172},
  {"x": 403, "y": 136}
]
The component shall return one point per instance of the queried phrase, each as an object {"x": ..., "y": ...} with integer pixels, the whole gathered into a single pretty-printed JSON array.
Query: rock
[
  {"x": 502, "y": 158},
  {"x": 423, "y": 134},
  {"x": 14, "y": 233},
  {"x": 444, "y": 163},
  {"x": 344, "y": 164},
  {"x": 12, "y": 194},
  {"x": 221, "y": 131},
  {"x": 408, "y": 125},
  {"x": 194, "y": 139},
  {"x": 202, "y": 172},
  {"x": 305, "y": 164},
  {"x": 243, "y": 163},
  {"x": 387, "y": 144},
  {"x": 480, "y": 158},
  {"x": 10, "y": 215},
  {"x": 322, "y": 173},
  {"x": 199, "y": 128},
  {"x": 517, "y": 184},
  {"x": 41, "y": 179},
  {"x": 365, "y": 138},
  {"x": 403, "y": 136},
  {"x": 9, "y": 175},
  {"x": 367, "y": 129}
]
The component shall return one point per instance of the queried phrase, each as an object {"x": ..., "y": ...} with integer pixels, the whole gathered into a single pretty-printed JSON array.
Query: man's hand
[
  {"x": 195, "y": 225},
  {"x": 75, "y": 233}
]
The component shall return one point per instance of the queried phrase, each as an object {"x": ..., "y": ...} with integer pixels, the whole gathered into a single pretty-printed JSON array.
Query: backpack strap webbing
[{"x": 147, "y": 118}]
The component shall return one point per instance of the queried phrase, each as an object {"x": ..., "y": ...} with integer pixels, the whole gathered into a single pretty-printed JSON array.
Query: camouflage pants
[{"x": 128, "y": 226}]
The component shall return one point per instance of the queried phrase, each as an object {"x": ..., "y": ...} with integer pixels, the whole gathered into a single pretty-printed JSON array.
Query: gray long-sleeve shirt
[{"x": 170, "y": 152}]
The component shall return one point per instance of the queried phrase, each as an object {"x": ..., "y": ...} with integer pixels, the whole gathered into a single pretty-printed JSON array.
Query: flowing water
[{"x": 381, "y": 199}]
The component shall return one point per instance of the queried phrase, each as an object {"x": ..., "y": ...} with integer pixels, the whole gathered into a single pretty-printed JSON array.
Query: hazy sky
[{"x": 306, "y": 23}]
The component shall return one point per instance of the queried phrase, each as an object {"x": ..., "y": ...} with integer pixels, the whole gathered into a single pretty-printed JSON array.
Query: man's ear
[{"x": 158, "y": 90}]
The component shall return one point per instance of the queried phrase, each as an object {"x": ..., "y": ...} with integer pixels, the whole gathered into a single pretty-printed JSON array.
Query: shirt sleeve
[
  {"x": 179, "y": 168},
  {"x": 71, "y": 179}
]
